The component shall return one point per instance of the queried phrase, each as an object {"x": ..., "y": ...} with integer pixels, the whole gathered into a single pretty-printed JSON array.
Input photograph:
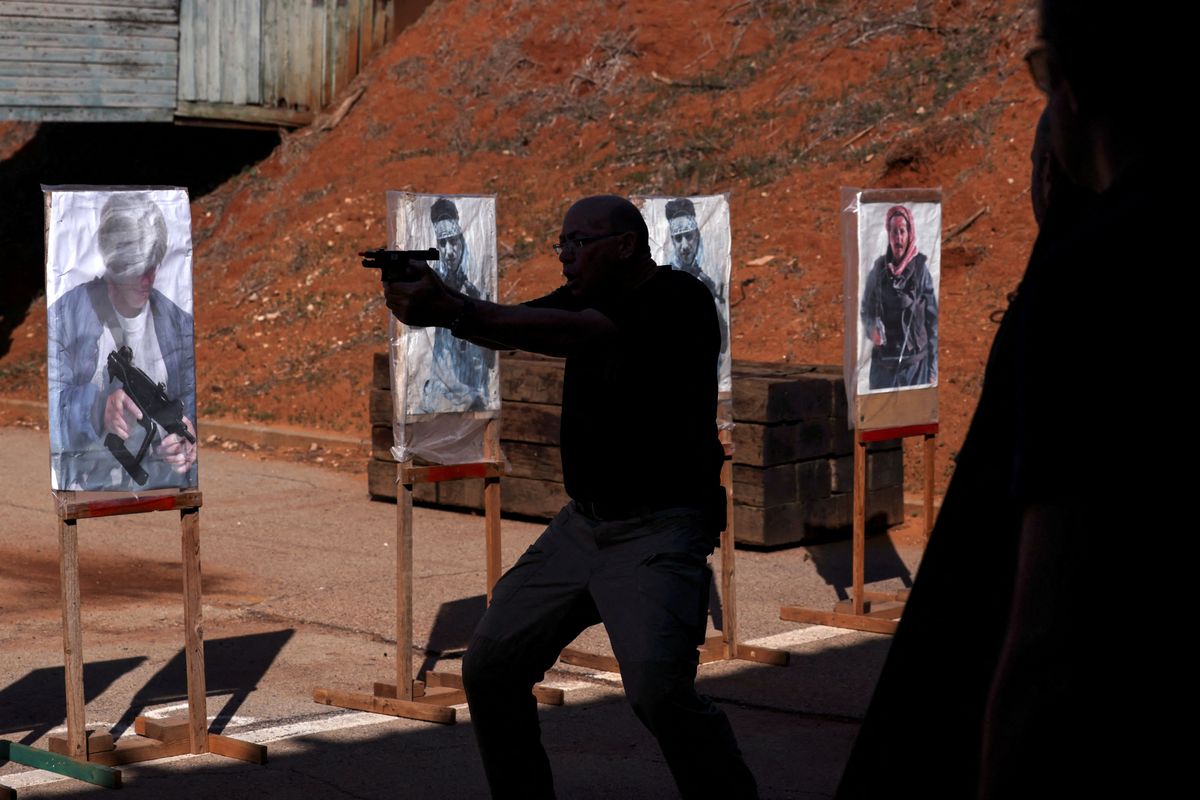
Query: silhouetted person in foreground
[
  {"x": 1009, "y": 676},
  {"x": 631, "y": 548}
]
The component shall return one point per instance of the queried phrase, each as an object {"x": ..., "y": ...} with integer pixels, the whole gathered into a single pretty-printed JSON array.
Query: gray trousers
[{"x": 647, "y": 580}]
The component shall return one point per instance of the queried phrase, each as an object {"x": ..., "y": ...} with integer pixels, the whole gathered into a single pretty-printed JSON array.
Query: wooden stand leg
[
  {"x": 193, "y": 627},
  {"x": 857, "y": 613},
  {"x": 728, "y": 594},
  {"x": 930, "y": 450},
  {"x": 81, "y": 753},
  {"x": 404, "y": 571},
  {"x": 68, "y": 542},
  {"x": 491, "y": 510},
  {"x": 859, "y": 554}
]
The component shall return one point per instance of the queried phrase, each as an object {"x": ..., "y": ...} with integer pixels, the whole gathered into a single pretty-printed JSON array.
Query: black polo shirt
[{"x": 639, "y": 409}]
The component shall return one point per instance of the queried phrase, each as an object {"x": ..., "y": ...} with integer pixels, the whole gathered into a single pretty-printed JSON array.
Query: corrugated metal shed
[{"x": 267, "y": 62}]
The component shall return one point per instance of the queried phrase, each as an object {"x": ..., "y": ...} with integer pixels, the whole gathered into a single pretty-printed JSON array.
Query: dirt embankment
[{"x": 778, "y": 103}]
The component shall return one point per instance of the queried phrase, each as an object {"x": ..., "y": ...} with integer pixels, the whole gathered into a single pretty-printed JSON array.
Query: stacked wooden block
[
  {"x": 531, "y": 394},
  {"x": 793, "y": 462},
  {"x": 793, "y": 465}
]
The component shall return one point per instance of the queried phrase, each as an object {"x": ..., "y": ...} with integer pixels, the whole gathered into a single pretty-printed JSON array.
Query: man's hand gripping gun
[{"x": 157, "y": 409}]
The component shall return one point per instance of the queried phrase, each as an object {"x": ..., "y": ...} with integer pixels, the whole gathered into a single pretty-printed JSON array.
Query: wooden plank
[
  {"x": 169, "y": 729},
  {"x": 382, "y": 439},
  {"x": 234, "y": 46},
  {"x": 859, "y": 547},
  {"x": 88, "y": 84},
  {"x": 236, "y": 748},
  {"x": 309, "y": 45},
  {"x": 24, "y": 52},
  {"x": 728, "y": 568},
  {"x": 548, "y": 696},
  {"x": 186, "y": 88},
  {"x": 769, "y": 445},
  {"x": 762, "y": 655},
  {"x": 252, "y": 42},
  {"x": 380, "y": 406},
  {"x": 581, "y": 658},
  {"x": 270, "y": 53},
  {"x": 253, "y": 115},
  {"x": 381, "y": 479},
  {"x": 385, "y": 705},
  {"x": 201, "y": 52},
  {"x": 458, "y": 494},
  {"x": 113, "y": 10},
  {"x": 537, "y": 423},
  {"x": 887, "y": 612},
  {"x": 537, "y": 461},
  {"x": 56, "y": 69},
  {"x": 318, "y": 49},
  {"x": 789, "y": 395},
  {"x": 84, "y": 99},
  {"x": 381, "y": 371},
  {"x": 68, "y": 545},
  {"x": 352, "y": 30},
  {"x": 215, "y": 18},
  {"x": 531, "y": 380},
  {"x": 900, "y": 432},
  {"x": 106, "y": 28},
  {"x": 60, "y": 765},
  {"x": 491, "y": 507},
  {"x": 833, "y": 619},
  {"x": 164, "y": 4},
  {"x": 450, "y": 472},
  {"x": 193, "y": 629},
  {"x": 404, "y": 577},
  {"x": 134, "y": 751},
  {"x": 85, "y": 505},
  {"x": 532, "y": 498},
  {"x": 98, "y": 741},
  {"x": 929, "y": 455}
]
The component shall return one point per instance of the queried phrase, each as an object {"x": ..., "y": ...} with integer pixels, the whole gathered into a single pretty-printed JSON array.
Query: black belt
[{"x": 609, "y": 511}]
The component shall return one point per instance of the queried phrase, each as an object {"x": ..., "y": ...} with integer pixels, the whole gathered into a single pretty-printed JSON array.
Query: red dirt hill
[{"x": 778, "y": 103}]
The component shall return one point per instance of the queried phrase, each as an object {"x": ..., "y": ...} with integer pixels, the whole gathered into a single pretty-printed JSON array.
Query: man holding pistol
[{"x": 641, "y": 463}]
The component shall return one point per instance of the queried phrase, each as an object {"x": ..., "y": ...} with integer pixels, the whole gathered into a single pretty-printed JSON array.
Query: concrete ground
[{"x": 299, "y": 592}]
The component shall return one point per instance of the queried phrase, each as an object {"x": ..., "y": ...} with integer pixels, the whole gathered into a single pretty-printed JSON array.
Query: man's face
[
  {"x": 131, "y": 294},
  {"x": 687, "y": 246},
  {"x": 898, "y": 236},
  {"x": 591, "y": 269},
  {"x": 451, "y": 249}
]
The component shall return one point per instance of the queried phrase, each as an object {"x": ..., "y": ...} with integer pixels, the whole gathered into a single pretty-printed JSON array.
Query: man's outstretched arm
[{"x": 426, "y": 302}]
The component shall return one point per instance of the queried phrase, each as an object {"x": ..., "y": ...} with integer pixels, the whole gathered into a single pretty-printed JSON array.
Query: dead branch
[{"x": 963, "y": 226}]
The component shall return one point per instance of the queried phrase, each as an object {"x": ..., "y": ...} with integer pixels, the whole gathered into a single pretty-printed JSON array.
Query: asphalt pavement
[{"x": 299, "y": 592}]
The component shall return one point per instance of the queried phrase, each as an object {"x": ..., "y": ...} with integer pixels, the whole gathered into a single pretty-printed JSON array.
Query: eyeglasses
[
  {"x": 1042, "y": 66},
  {"x": 575, "y": 245}
]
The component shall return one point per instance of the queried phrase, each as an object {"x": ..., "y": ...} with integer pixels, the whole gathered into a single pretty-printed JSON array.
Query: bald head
[{"x": 611, "y": 213}]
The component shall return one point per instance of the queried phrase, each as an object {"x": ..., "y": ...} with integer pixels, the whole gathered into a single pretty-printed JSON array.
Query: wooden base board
[
  {"x": 96, "y": 741},
  {"x": 837, "y": 619},
  {"x": 545, "y": 695},
  {"x": 160, "y": 738},
  {"x": 409, "y": 709},
  {"x": 714, "y": 649},
  {"x": 762, "y": 655}
]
